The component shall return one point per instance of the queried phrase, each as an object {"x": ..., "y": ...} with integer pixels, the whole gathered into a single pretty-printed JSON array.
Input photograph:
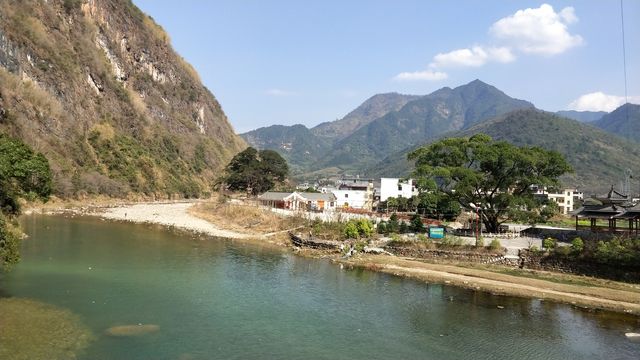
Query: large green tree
[
  {"x": 493, "y": 176},
  {"x": 23, "y": 173},
  {"x": 255, "y": 171}
]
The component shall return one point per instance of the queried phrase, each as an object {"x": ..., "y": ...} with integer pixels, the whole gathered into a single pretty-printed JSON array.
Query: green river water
[{"x": 216, "y": 299}]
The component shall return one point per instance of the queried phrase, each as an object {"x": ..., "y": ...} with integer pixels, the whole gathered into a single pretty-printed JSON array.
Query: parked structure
[
  {"x": 298, "y": 201},
  {"x": 394, "y": 187}
]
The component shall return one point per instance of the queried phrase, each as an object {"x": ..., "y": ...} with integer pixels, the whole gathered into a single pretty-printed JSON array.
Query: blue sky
[{"x": 288, "y": 62}]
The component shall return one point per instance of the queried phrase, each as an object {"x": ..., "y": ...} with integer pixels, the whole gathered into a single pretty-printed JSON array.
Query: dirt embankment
[{"x": 577, "y": 290}]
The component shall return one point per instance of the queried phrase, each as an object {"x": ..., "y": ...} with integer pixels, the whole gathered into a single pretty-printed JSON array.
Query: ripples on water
[{"x": 217, "y": 299}]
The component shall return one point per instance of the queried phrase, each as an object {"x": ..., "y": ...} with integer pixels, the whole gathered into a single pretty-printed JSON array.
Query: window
[
  {"x": 346, "y": 195},
  {"x": 399, "y": 187}
]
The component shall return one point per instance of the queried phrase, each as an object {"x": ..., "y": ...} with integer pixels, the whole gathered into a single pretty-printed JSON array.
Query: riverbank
[{"x": 220, "y": 221}]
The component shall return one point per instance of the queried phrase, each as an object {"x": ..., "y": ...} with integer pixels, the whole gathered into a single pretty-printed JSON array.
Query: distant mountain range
[
  {"x": 377, "y": 146},
  {"x": 382, "y": 125}
]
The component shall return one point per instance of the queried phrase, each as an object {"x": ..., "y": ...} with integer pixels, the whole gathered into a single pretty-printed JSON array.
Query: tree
[
  {"x": 493, "y": 176},
  {"x": 255, "y": 171},
  {"x": 416, "y": 224},
  {"x": 23, "y": 173},
  {"x": 393, "y": 226}
]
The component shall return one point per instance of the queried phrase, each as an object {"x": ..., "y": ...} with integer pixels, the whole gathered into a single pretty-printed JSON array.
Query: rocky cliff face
[{"x": 96, "y": 87}]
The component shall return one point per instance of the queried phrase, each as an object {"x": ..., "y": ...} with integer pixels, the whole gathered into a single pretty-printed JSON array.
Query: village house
[
  {"x": 355, "y": 194},
  {"x": 394, "y": 187},
  {"x": 303, "y": 201}
]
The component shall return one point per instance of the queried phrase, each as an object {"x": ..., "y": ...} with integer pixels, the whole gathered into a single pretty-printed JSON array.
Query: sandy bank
[{"x": 169, "y": 214}]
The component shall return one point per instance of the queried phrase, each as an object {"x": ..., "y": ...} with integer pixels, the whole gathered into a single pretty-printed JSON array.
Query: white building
[
  {"x": 355, "y": 194},
  {"x": 567, "y": 200},
  {"x": 394, "y": 187}
]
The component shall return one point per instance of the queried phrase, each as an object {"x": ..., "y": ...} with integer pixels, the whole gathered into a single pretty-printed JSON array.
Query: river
[{"x": 219, "y": 299}]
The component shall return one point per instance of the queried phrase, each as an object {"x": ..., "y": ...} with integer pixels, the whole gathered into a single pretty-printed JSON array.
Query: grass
[{"x": 244, "y": 218}]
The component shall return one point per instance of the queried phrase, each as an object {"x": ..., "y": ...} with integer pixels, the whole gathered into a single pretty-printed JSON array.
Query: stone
[{"x": 132, "y": 330}]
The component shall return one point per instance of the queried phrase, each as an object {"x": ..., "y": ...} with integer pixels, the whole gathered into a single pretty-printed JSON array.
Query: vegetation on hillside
[
  {"x": 598, "y": 158},
  {"x": 420, "y": 120},
  {"x": 23, "y": 174},
  {"x": 623, "y": 121},
  {"x": 97, "y": 88},
  {"x": 494, "y": 177}
]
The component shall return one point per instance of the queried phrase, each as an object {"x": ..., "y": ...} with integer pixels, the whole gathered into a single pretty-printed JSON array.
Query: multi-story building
[
  {"x": 355, "y": 193},
  {"x": 394, "y": 187},
  {"x": 567, "y": 200}
]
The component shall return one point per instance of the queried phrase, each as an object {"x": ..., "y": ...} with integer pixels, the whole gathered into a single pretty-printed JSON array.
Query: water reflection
[{"x": 220, "y": 299}]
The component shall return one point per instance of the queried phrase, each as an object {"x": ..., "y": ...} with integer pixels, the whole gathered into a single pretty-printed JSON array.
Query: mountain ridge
[{"x": 96, "y": 86}]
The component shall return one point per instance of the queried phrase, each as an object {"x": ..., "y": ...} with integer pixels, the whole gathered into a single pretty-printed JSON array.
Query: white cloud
[
  {"x": 427, "y": 75},
  {"x": 538, "y": 31},
  {"x": 279, "y": 92},
  {"x": 473, "y": 57},
  {"x": 599, "y": 101}
]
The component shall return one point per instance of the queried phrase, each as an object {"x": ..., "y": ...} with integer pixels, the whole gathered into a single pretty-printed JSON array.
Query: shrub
[
  {"x": 452, "y": 241},
  {"x": 351, "y": 231},
  {"x": 534, "y": 250},
  {"x": 562, "y": 250},
  {"x": 422, "y": 237},
  {"x": 364, "y": 226},
  {"x": 577, "y": 245},
  {"x": 393, "y": 226},
  {"x": 416, "y": 224},
  {"x": 359, "y": 246},
  {"x": 404, "y": 228},
  {"x": 495, "y": 244},
  {"x": 480, "y": 242},
  {"x": 382, "y": 227},
  {"x": 549, "y": 243}
]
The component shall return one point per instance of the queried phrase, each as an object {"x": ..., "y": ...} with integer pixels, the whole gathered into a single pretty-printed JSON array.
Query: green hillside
[
  {"x": 296, "y": 143},
  {"x": 599, "y": 158},
  {"x": 373, "y": 108},
  {"x": 303, "y": 147},
  {"x": 582, "y": 116},
  {"x": 623, "y": 121},
  {"x": 418, "y": 121}
]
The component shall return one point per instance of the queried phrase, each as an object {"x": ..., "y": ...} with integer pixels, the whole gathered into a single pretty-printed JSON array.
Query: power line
[{"x": 624, "y": 56}]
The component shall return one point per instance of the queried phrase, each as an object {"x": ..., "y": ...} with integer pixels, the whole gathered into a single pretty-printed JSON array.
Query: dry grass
[{"x": 245, "y": 219}]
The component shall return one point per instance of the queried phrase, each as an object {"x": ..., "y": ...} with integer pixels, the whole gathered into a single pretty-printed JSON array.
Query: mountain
[
  {"x": 296, "y": 143},
  {"x": 373, "y": 108},
  {"x": 96, "y": 86},
  {"x": 598, "y": 158},
  {"x": 302, "y": 147},
  {"x": 623, "y": 121},
  {"x": 418, "y": 121},
  {"x": 582, "y": 116}
]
